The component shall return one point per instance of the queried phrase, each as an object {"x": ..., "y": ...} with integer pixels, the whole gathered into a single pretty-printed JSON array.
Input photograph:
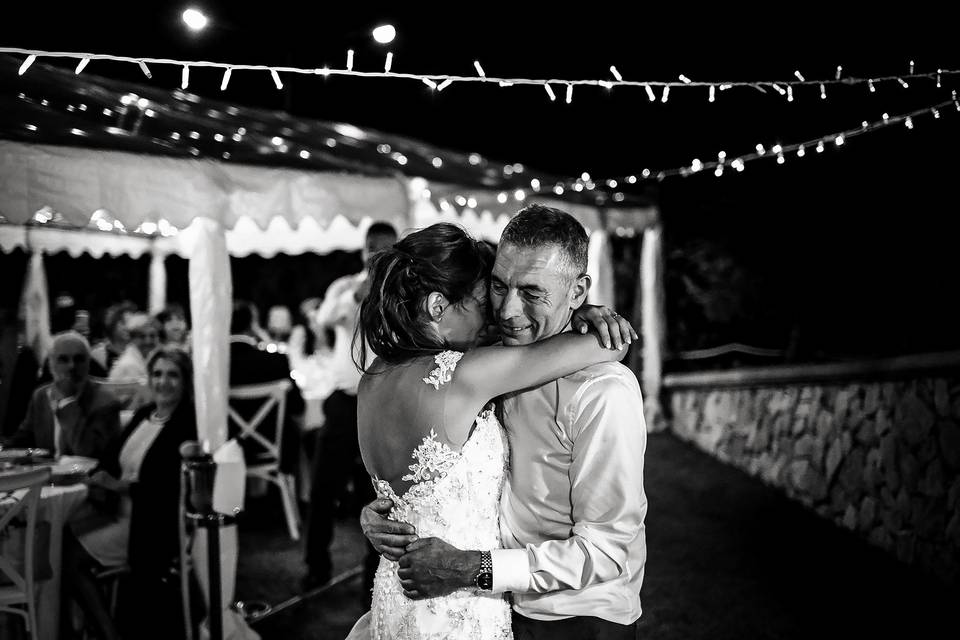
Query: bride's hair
[{"x": 441, "y": 258}]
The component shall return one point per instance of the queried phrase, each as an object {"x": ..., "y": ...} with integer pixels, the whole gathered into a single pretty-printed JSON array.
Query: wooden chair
[
  {"x": 20, "y": 492},
  {"x": 266, "y": 464}
]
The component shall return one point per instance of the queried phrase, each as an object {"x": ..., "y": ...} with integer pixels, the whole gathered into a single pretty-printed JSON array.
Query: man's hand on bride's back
[
  {"x": 613, "y": 330},
  {"x": 388, "y": 537}
]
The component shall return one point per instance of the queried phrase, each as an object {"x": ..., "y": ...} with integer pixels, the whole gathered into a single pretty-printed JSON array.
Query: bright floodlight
[
  {"x": 384, "y": 34},
  {"x": 195, "y": 19}
]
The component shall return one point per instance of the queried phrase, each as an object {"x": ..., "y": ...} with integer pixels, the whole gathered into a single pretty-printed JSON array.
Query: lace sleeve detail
[{"x": 446, "y": 364}]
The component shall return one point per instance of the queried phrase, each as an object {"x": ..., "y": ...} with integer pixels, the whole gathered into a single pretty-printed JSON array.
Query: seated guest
[
  {"x": 251, "y": 365},
  {"x": 131, "y": 366},
  {"x": 106, "y": 352},
  {"x": 73, "y": 415},
  {"x": 132, "y": 363},
  {"x": 174, "y": 331},
  {"x": 142, "y": 471}
]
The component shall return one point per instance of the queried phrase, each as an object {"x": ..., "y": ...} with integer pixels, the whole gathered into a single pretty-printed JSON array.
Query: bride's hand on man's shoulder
[
  {"x": 613, "y": 329},
  {"x": 389, "y": 537}
]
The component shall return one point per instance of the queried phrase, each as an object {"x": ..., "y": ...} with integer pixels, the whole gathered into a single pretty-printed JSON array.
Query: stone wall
[{"x": 881, "y": 458}]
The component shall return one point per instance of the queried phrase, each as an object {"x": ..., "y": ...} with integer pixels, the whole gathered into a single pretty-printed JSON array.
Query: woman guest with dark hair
[
  {"x": 174, "y": 330},
  {"x": 142, "y": 474}
]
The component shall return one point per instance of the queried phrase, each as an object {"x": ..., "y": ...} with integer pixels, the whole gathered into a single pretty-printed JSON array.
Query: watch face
[{"x": 485, "y": 581}]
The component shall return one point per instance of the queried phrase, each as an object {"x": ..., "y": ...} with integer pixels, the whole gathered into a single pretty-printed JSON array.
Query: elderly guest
[{"x": 73, "y": 415}]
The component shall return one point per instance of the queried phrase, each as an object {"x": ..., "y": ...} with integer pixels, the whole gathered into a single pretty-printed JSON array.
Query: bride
[{"x": 429, "y": 435}]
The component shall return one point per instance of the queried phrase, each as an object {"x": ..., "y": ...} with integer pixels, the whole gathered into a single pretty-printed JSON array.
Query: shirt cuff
[{"x": 511, "y": 570}]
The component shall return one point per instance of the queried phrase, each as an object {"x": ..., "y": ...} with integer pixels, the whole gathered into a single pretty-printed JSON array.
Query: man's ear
[
  {"x": 579, "y": 291},
  {"x": 435, "y": 304}
]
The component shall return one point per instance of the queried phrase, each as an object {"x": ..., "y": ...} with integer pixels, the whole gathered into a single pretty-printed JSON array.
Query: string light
[
  {"x": 780, "y": 151},
  {"x": 82, "y": 65},
  {"x": 476, "y": 65},
  {"x": 185, "y": 77},
  {"x": 430, "y": 83},
  {"x": 443, "y": 85},
  {"x": 650, "y": 94},
  {"x": 911, "y": 67},
  {"x": 789, "y": 93},
  {"x": 823, "y": 91},
  {"x": 145, "y": 69},
  {"x": 226, "y": 79},
  {"x": 569, "y": 93},
  {"x": 873, "y": 89},
  {"x": 779, "y": 86},
  {"x": 666, "y": 92},
  {"x": 903, "y": 83},
  {"x": 276, "y": 79},
  {"x": 550, "y": 92},
  {"x": 388, "y": 62},
  {"x": 712, "y": 93},
  {"x": 26, "y": 64}
]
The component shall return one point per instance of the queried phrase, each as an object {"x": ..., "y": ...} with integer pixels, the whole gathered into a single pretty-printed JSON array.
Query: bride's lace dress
[{"x": 455, "y": 497}]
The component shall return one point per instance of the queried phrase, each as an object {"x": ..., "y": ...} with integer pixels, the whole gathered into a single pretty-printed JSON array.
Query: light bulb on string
[
  {"x": 713, "y": 91},
  {"x": 349, "y": 59},
  {"x": 80, "y": 67},
  {"x": 476, "y": 65},
  {"x": 839, "y": 71},
  {"x": 936, "y": 114},
  {"x": 616, "y": 74},
  {"x": 872, "y": 88},
  {"x": 505, "y": 83},
  {"x": 430, "y": 83},
  {"x": 779, "y": 89},
  {"x": 645, "y": 173},
  {"x": 820, "y": 146},
  {"x": 780, "y": 158},
  {"x": 885, "y": 116},
  {"x": 799, "y": 76},
  {"x": 606, "y": 84},
  {"x": 903, "y": 83},
  {"x": 718, "y": 171},
  {"x": 632, "y": 179},
  {"x": 549, "y": 91},
  {"x": 276, "y": 79},
  {"x": 684, "y": 79},
  {"x": 143, "y": 67},
  {"x": 388, "y": 62},
  {"x": 801, "y": 151},
  {"x": 839, "y": 140},
  {"x": 696, "y": 165},
  {"x": 823, "y": 91},
  {"x": 911, "y": 67},
  {"x": 226, "y": 78},
  {"x": 939, "y": 71},
  {"x": 908, "y": 122},
  {"x": 443, "y": 85},
  {"x": 569, "y": 93},
  {"x": 789, "y": 93},
  {"x": 185, "y": 77},
  {"x": 652, "y": 97},
  {"x": 666, "y": 93},
  {"x": 760, "y": 149},
  {"x": 26, "y": 64}
]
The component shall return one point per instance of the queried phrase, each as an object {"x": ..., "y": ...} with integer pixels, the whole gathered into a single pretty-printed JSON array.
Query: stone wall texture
[{"x": 881, "y": 458}]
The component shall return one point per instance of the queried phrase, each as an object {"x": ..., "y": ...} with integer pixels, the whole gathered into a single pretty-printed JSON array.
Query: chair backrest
[
  {"x": 272, "y": 395},
  {"x": 20, "y": 492}
]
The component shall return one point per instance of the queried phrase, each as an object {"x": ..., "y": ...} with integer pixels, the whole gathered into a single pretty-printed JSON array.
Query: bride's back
[{"x": 400, "y": 406}]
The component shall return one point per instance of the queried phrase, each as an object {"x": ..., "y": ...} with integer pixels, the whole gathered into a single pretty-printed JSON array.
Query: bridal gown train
[{"x": 455, "y": 497}]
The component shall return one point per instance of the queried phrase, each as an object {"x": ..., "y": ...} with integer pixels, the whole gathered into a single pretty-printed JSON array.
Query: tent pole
[{"x": 653, "y": 324}]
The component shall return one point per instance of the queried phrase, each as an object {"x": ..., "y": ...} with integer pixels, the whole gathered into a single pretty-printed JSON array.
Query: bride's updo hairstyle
[{"x": 441, "y": 258}]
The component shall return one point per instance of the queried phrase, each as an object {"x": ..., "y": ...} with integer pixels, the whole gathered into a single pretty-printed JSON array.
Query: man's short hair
[
  {"x": 537, "y": 225},
  {"x": 242, "y": 319},
  {"x": 68, "y": 336},
  {"x": 381, "y": 229}
]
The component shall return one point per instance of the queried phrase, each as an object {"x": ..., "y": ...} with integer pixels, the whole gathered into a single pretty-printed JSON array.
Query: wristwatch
[{"x": 484, "y": 577}]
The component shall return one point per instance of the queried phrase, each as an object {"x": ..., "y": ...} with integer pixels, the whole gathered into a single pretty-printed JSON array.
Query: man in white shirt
[
  {"x": 337, "y": 450},
  {"x": 573, "y": 508}
]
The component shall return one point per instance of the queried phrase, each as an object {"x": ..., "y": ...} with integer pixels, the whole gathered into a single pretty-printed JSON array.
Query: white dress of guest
[{"x": 108, "y": 544}]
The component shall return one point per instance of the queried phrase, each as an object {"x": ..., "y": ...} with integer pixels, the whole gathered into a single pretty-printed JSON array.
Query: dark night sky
[{"x": 839, "y": 234}]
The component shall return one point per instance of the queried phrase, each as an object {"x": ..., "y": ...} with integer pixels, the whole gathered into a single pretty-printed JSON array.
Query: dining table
[{"x": 59, "y": 499}]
